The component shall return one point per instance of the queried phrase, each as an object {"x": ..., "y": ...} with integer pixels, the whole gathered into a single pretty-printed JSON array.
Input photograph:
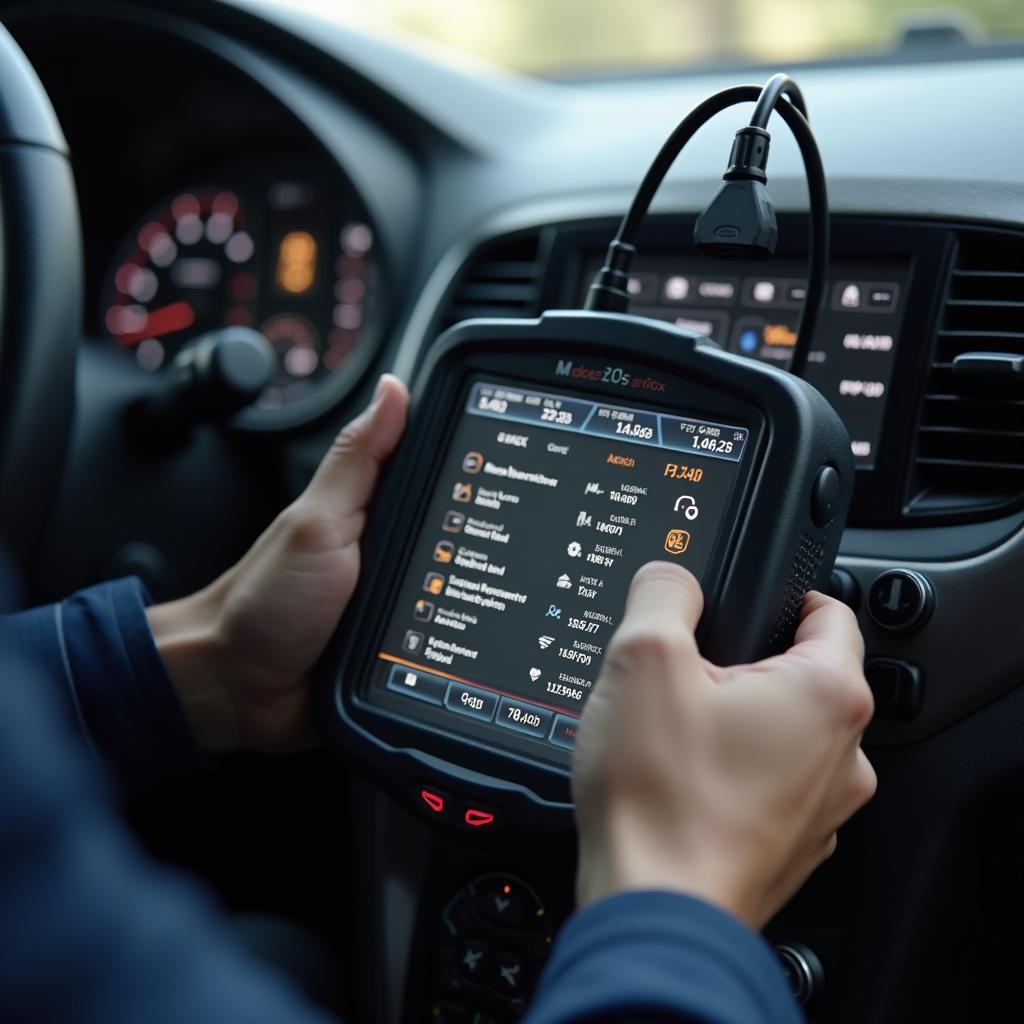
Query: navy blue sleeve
[
  {"x": 95, "y": 652},
  {"x": 642, "y": 957},
  {"x": 90, "y": 932}
]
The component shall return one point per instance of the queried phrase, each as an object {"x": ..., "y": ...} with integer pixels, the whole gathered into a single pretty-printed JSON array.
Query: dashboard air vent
[
  {"x": 501, "y": 279},
  {"x": 970, "y": 448}
]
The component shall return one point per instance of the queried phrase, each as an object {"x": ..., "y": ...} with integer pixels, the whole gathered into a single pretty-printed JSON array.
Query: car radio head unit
[{"x": 544, "y": 463}]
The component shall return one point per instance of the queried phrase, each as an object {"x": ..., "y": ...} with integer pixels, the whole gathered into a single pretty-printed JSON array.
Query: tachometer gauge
[
  {"x": 188, "y": 269},
  {"x": 291, "y": 258}
]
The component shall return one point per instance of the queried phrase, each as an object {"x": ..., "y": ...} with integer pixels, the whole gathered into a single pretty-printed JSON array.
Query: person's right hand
[{"x": 724, "y": 783}]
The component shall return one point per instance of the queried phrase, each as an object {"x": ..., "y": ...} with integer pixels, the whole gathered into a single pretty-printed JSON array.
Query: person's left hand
[{"x": 240, "y": 651}]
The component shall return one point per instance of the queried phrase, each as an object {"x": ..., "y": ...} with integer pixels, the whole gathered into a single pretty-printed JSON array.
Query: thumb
[
  {"x": 348, "y": 473},
  {"x": 664, "y": 599},
  {"x": 665, "y": 602}
]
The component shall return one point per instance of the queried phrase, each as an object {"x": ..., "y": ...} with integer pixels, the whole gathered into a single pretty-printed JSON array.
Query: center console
[
  {"x": 547, "y": 460},
  {"x": 453, "y": 673}
]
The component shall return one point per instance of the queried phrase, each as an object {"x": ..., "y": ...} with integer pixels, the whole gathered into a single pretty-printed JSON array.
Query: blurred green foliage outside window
[{"x": 590, "y": 36}]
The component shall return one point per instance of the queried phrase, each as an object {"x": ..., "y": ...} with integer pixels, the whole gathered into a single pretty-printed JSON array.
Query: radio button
[
  {"x": 512, "y": 975},
  {"x": 524, "y": 718},
  {"x": 843, "y": 586},
  {"x": 803, "y": 971},
  {"x": 499, "y": 900},
  {"x": 563, "y": 732},
  {"x": 417, "y": 684},
  {"x": 900, "y": 600},
  {"x": 475, "y": 960},
  {"x": 471, "y": 702},
  {"x": 896, "y": 687}
]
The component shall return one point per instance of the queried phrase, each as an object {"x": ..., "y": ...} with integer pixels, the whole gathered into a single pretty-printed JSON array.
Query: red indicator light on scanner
[
  {"x": 433, "y": 800},
  {"x": 476, "y": 818}
]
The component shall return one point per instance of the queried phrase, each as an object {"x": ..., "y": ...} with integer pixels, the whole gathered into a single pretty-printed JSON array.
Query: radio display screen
[
  {"x": 544, "y": 506},
  {"x": 752, "y": 309}
]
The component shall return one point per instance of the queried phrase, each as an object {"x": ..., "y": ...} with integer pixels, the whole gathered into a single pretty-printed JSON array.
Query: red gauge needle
[{"x": 175, "y": 316}]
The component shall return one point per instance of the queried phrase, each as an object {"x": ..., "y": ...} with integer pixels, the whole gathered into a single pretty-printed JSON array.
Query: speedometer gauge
[{"x": 281, "y": 256}]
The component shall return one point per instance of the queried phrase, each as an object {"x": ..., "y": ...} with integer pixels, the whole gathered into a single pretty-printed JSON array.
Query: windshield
[{"x": 560, "y": 37}]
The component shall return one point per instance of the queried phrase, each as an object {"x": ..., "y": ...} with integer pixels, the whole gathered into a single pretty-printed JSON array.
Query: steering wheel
[{"x": 40, "y": 302}]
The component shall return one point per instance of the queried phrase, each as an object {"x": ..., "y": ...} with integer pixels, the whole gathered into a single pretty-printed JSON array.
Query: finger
[
  {"x": 828, "y": 637},
  {"x": 828, "y": 633},
  {"x": 826, "y": 661},
  {"x": 348, "y": 473}
]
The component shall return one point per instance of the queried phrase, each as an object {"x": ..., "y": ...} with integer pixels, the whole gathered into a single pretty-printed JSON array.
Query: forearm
[
  {"x": 95, "y": 653},
  {"x": 655, "y": 956},
  {"x": 88, "y": 929}
]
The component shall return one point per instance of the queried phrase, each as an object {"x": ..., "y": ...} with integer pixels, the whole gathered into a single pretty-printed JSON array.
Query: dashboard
[{"x": 350, "y": 198}]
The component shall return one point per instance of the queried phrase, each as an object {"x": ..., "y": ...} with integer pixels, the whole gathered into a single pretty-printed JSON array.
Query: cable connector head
[
  {"x": 609, "y": 292},
  {"x": 749, "y": 156},
  {"x": 739, "y": 223}
]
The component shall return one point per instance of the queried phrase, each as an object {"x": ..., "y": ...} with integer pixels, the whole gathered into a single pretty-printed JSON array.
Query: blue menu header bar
[{"x": 612, "y": 422}]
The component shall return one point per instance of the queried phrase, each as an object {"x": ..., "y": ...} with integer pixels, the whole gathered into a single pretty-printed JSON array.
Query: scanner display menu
[{"x": 545, "y": 506}]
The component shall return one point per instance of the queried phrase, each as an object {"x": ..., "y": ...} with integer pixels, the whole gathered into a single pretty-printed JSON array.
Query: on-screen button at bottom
[{"x": 563, "y": 732}]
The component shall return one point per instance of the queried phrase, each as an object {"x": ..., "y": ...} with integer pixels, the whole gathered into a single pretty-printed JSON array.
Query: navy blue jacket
[{"x": 92, "y": 933}]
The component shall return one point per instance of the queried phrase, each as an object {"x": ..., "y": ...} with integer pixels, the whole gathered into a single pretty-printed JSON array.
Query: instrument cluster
[{"x": 288, "y": 256}]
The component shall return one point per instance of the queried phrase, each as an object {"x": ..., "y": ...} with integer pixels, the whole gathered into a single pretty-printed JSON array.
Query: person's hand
[
  {"x": 240, "y": 651},
  {"x": 724, "y": 783}
]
